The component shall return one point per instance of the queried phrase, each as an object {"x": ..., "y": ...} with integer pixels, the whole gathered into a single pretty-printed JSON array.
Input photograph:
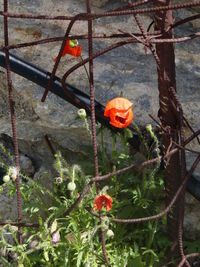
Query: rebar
[{"x": 13, "y": 122}]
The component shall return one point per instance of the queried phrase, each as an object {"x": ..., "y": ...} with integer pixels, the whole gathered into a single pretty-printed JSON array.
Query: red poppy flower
[
  {"x": 120, "y": 112},
  {"x": 103, "y": 200},
  {"x": 71, "y": 48}
]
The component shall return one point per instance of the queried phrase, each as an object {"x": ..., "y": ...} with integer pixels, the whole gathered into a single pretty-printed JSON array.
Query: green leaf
[
  {"x": 5, "y": 262},
  {"x": 46, "y": 255},
  {"x": 114, "y": 154},
  {"x": 79, "y": 259},
  {"x": 54, "y": 226},
  {"x": 40, "y": 221},
  {"x": 135, "y": 262},
  {"x": 150, "y": 251}
]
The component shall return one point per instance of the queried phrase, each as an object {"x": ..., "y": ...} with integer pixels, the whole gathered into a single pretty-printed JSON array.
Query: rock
[
  {"x": 26, "y": 165},
  {"x": 191, "y": 219},
  {"x": 99, "y": 3},
  {"x": 45, "y": 178},
  {"x": 126, "y": 69}
]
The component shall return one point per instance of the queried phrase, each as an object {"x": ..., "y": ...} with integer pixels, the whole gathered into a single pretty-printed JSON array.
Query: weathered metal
[{"x": 168, "y": 114}]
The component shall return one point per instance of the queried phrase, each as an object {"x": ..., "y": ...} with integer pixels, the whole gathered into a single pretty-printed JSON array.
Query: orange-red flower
[
  {"x": 71, "y": 48},
  {"x": 120, "y": 112},
  {"x": 103, "y": 200}
]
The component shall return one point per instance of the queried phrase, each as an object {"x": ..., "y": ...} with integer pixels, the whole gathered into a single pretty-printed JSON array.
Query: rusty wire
[
  {"x": 13, "y": 122},
  {"x": 94, "y": 139},
  {"x": 85, "y": 16},
  {"x": 146, "y": 39},
  {"x": 192, "y": 255},
  {"x": 183, "y": 168}
]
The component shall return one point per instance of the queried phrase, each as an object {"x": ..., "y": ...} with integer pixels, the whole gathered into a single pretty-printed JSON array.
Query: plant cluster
[{"x": 74, "y": 240}]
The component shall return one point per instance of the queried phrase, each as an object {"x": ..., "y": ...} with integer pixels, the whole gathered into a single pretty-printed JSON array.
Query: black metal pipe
[
  {"x": 73, "y": 95},
  {"x": 77, "y": 98},
  {"x": 41, "y": 77}
]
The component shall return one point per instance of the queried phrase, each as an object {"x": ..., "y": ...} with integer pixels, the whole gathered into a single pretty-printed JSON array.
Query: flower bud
[
  {"x": 13, "y": 172},
  {"x": 59, "y": 180},
  {"x": 55, "y": 238},
  {"x": 71, "y": 186},
  {"x": 149, "y": 127},
  {"x": 104, "y": 227},
  {"x": 110, "y": 234},
  {"x": 6, "y": 178},
  {"x": 82, "y": 113},
  {"x": 73, "y": 43},
  {"x": 76, "y": 168}
]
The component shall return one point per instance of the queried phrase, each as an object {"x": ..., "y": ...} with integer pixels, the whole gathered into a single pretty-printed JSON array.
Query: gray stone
[
  {"x": 26, "y": 165},
  {"x": 191, "y": 220}
]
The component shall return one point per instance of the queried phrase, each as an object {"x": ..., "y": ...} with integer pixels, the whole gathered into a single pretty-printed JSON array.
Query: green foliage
[{"x": 74, "y": 240}]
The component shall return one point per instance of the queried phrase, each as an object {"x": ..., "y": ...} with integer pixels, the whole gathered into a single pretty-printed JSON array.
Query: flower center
[{"x": 120, "y": 119}]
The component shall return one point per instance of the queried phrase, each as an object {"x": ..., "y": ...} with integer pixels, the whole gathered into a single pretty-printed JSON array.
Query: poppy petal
[
  {"x": 118, "y": 103},
  {"x": 120, "y": 119},
  {"x": 74, "y": 51},
  {"x": 103, "y": 200},
  {"x": 108, "y": 202}
]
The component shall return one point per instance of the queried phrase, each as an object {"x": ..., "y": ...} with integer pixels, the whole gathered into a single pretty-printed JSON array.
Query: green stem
[
  {"x": 102, "y": 147},
  {"x": 85, "y": 70},
  {"x": 73, "y": 174},
  {"x": 87, "y": 127},
  {"x": 155, "y": 139},
  {"x": 138, "y": 131}
]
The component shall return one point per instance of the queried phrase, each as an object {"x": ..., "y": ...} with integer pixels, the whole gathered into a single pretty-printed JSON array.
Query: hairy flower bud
[
  {"x": 82, "y": 113},
  {"x": 149, "y": 127},
  {"x": 13, "y": 172}
]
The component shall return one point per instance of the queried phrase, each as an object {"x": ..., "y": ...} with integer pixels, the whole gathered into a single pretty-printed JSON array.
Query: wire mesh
[{"x": 161, "y": 38}]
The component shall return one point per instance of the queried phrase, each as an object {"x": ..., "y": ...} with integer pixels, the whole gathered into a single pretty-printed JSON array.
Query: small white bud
[
  {"x": 6, "y": 178},
  {"x": 71, "y": 186},
  {"x": 110, "y": 234}
]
